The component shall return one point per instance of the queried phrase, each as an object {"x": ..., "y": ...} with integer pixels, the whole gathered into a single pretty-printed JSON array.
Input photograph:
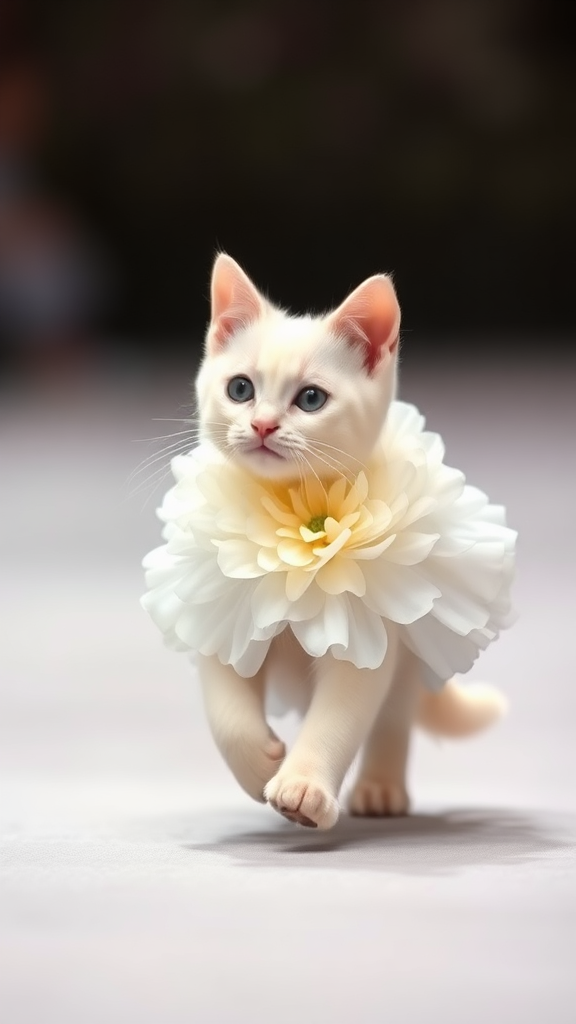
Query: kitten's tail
[{"x": 460, "y": 710}]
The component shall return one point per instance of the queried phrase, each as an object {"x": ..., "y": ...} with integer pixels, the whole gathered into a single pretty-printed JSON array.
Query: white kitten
[{"x": 283, "y": 397}]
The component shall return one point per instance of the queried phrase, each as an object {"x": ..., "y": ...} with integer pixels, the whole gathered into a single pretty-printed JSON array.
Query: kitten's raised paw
[
  {"x": 302, "y": 801},
  {"x": 379, "y": 798},
  {"x": 255, "y": 763}
]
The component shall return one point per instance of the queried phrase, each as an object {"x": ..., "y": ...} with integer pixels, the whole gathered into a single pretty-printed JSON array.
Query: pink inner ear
[
  {"x": 235, "y": 300},
  {"x": 370, "y": 317}
]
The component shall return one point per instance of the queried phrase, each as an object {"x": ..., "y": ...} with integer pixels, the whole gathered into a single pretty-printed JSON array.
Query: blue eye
[
  {"x": 311, "y": 399},
  {"x": 240, "y": 389}
]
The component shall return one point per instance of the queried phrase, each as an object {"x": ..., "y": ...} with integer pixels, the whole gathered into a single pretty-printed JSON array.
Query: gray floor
[{"x": 138, "y": 884}]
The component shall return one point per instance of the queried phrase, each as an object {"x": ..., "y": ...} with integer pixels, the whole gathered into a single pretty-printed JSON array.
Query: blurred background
[{"x": 317, "y": 143}]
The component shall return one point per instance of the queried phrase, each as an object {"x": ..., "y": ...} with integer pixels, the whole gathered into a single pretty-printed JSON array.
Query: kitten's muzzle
[{"x": 264, "y": 427}]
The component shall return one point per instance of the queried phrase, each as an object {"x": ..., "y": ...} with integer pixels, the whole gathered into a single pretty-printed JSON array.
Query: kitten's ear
[
  {"x": 369, "y": 317},
  {"x": 235, "y": 301}
]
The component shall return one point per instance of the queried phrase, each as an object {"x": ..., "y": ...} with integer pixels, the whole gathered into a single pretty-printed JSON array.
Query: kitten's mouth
[{"x": 264, "y": 450}]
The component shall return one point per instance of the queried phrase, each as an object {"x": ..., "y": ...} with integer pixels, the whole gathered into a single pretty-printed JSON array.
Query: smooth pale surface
[{"x": 137, "y": 882}]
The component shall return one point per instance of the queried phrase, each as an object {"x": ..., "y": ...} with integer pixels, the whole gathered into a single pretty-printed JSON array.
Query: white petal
[
  {"x": 329, "y": 626},
  {"x": 355, "y": 496},
  {"x": 230, "y": 520},
  {"x": 309, "y": 536},
  {"x": 470, "y": 502},
  {"x": 398, "y": 593},
  {"x": 297, "y": 582},
  {"x": 450, "y": 487},
  {"x": 155, "y": 558},
  {"x": 367, "y": 637},
  {"x": 316, "y": 496},
  {"x": 279, "y": 511},
  {"x": 295, "y": 553},
  {"x": 252, "y": 660},
  {"x": 300, "y": 509},
  {"x": 370, "y": 552},
  {"x": 261, "y": 530},
  {"x": 210, "y": 488},
  {"x": 478, "y": 569},
  {"x": 418, "y": 509},
  {"x": 336, "y": 495},
  {"x": 444, "y": 651},
  {"x": 341, "y": 574},
  {"x": 324, "y": 554},
  {"x": 242, "y": 631},
  {"x": 410, "y": 547},
  {"x": 195, "y": 625},
  {"x": 237, "y": 558},
  {"x": 163, "y": 606},
  {"x": 203, "y": 580},
  {"x": 395, "y": 477},
  {"x": 269, "y": 603},
  {"x": 308, "y": 605},
  {"x": 268, "y": 559}
]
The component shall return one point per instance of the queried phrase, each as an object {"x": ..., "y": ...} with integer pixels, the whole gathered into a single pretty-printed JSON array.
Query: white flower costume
[{"x": 407, "y": 542}]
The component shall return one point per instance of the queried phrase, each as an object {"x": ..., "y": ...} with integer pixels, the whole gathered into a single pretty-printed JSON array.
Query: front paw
[
  {"x": 302, "y": 800},
  {"x": 255, "y": 763},
  {"x": 378, "y": 798}
]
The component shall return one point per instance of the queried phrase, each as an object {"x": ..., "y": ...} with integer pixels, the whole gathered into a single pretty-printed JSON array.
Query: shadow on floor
[{"x": 422, "y": 844}]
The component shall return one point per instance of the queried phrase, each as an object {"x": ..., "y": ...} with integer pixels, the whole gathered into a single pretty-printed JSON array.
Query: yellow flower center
[{"x": 316, "y": 524}]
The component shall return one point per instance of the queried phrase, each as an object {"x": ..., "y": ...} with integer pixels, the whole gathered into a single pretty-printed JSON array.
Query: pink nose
[{"x": 264, "y": 427}]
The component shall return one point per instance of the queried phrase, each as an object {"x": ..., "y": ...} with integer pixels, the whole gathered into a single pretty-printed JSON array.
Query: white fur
[
  {"x": 281, "y": 354},
  {"x": 350, "y": 354}
]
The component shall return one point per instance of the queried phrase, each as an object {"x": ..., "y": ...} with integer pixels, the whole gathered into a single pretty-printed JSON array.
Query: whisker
[
  {"x": 186, "y": 441},
  {"x": 348, "y": 455},
  {"x": 332, "y": 463},
  {"x": 170, "y": 451},
  {"x": 155, "y": 468},
  {"x": 163, "y": 437},
  {"x": 164, "y": 464},
  {"x": 299, "y": 466},
  {"x": 302, "y": 464},
  {"x": 152, "y": 483},
  {"x": 193, "y": 421},
  {"x": 313, "y": 471},
  {"x": 152, "y": 489},
  {"x": 334, "y": 470},
  {"x": 192, "y": 434}
]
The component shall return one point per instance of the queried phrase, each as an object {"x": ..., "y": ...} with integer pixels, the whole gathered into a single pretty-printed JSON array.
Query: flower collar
[{"x": 407, "y": 541}]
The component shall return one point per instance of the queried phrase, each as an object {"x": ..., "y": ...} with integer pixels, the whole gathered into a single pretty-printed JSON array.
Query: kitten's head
[{"x": 285, "y": 396}]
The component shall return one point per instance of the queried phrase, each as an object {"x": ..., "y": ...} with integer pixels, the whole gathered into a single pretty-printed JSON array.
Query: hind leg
[{"x": 381, "y": 785}]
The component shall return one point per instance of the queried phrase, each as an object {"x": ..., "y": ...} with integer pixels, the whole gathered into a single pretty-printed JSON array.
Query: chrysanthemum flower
[{"x": 406, "y": 541}]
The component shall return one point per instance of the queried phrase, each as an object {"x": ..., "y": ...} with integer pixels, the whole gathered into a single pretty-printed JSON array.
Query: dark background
[{"x": 316, "y": 142}]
